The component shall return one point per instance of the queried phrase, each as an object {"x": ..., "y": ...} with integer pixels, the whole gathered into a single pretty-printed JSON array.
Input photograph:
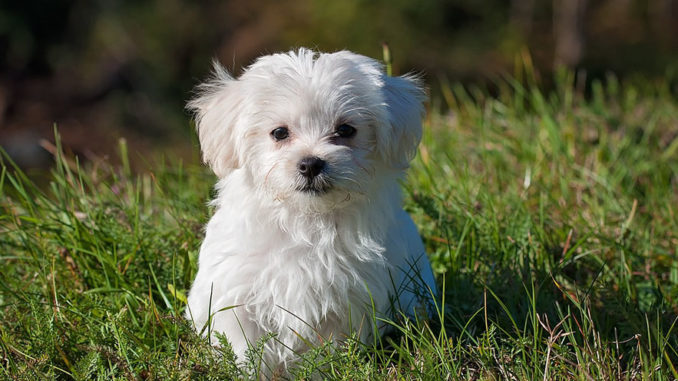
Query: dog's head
[{"x": 309, "y": 127}]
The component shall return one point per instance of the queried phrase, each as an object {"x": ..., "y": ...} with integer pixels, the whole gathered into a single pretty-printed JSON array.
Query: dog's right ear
[{"x": 218, "y": 108}]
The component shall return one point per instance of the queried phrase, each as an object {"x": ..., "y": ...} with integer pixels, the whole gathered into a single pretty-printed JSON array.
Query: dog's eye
[
  {"x": 345, "y": 131},
  {"x": 280, "y": 133}
]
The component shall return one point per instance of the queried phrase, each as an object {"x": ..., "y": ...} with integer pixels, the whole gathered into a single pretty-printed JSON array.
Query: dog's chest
[
  {"x": 319, "y": 269},
  {"x": 295, "y": 268},
  {"x": 313, "y": 287}
]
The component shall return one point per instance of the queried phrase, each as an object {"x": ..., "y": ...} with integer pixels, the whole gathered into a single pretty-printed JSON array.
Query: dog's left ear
[
  {"x": 218, "y": 109},
  {"x": 397, "y": 141}
]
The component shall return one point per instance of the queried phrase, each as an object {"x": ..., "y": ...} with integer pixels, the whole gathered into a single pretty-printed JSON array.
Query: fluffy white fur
[{"x": 297, "y": 263}]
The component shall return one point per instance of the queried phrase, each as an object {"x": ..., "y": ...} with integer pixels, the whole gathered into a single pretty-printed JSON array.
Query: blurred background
[{"x": 105, "y": 69}]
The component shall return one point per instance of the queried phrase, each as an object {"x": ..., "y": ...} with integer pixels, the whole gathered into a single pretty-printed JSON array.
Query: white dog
[{"x": 309, "y": 240}]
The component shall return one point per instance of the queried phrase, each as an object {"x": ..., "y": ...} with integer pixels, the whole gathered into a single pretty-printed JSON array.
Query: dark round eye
[
  {"x": 345, "y": 131},
  {"x": 280, "y": 133}
]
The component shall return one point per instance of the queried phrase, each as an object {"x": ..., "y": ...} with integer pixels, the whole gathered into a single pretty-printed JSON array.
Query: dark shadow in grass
[{"x": 518, "y": 302}]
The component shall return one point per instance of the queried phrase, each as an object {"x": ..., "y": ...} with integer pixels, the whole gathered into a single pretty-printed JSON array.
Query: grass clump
[{"x": 549, "y": 219}]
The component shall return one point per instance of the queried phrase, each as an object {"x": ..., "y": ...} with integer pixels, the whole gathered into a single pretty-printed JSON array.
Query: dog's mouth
[
  {"x": 315, "y": 189},
  {"x": 316, "y": 186}
]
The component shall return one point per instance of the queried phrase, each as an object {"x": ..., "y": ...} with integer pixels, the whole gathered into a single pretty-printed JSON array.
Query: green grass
[{"x": 550, "y": 219}]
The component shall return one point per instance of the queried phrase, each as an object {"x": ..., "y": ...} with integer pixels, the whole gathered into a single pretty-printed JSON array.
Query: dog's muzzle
[{"x": 312, "y": 170}]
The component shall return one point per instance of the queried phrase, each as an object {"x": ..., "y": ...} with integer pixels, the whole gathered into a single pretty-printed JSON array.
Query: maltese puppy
[{"x": 309, "y": 241}]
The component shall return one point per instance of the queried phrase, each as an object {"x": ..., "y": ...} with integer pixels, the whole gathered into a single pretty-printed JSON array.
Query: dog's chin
[
  {"x": 316, "y": 187},
  {"x": 321, "y": 197},
  {"x": 315, "y": 190}
]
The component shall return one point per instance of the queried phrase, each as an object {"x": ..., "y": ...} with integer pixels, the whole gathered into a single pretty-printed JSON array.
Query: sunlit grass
[{"x": 550, "y": 220}]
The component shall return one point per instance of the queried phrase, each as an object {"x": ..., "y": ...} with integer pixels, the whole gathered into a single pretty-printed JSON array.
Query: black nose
[{"x": 310, "y": 167}]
